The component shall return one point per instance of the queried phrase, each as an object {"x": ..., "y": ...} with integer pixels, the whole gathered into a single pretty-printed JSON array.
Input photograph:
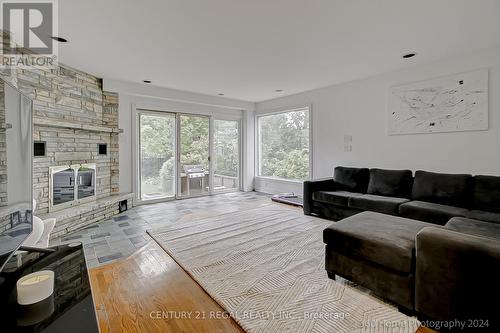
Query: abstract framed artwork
[{"x": 448, "y": 104}]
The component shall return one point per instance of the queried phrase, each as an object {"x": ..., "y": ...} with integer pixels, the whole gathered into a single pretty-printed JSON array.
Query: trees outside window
[
  {"x": 157, "y": 155},
  {"x": 283, "y": 145}
]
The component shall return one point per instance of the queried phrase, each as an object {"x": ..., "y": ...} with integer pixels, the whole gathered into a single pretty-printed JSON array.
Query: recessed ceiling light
[
  {"x": 220, "y": 94},
  {"x": 279, "y": 90},
  {"x": 59, "y": 39},
  {"x": 146, "y": 81},
  {"x": 409, "y": 55}
]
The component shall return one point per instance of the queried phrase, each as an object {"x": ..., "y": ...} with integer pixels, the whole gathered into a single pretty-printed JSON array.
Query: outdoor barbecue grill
[
  {"x": 194, "y": 171},
  {"x": 195, "y": 177}
]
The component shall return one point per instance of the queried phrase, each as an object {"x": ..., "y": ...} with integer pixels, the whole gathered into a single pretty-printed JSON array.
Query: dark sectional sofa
[{"x": 429, "y": 243}]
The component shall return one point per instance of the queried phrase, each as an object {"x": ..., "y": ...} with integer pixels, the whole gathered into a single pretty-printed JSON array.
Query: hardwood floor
[{"x": 150, "y": 292}]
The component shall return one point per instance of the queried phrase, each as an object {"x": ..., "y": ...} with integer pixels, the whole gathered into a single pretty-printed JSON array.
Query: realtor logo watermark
[{"x": 28, "y": 28}]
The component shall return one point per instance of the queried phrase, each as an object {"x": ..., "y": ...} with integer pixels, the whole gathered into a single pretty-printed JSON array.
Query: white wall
[
  {"x": 248, "y": 150},
  {"x": 275, "y": 186},
  {"x": 140, "y": 96},
  {"x": 359, "y": 109}
]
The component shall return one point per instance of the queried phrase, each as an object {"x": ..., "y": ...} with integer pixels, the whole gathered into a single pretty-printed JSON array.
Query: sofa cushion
[
  {"x": 391, "y": 183},
  {"x": 351, "y": 179},
  {"x": 340, "y": 198},
  {"x": 441, "y": 188},
  {"x": 483, "y": 216},
  {"x": 486, "y": 193},
  {"x": 430, "y": 212},
  {"x": 382, "y": 239},
  {"x": 474, "y": 227},
  {"x": 377, "y": 203}
]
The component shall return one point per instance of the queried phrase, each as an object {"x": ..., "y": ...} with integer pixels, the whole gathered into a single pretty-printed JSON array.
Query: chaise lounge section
[{"x": 457, "y": 273}]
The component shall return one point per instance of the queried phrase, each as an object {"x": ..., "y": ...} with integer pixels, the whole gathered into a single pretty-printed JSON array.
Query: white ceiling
[{"x": 249, "y": 48}]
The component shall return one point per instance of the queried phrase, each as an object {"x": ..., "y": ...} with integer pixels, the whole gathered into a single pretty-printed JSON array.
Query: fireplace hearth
[{"x": 71, "y": 185}]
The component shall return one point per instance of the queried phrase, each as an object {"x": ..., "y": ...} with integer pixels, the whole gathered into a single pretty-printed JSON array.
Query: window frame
[{"x": 262, "y": 114}]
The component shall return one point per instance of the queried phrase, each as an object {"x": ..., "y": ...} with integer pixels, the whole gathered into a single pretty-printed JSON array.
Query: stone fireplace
[{"x": 75, "y": 181}]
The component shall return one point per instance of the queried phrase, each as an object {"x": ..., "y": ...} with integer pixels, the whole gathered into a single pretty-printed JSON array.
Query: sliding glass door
[
  {"x": 226, "y": 155},
  {"x": 185, "y": 155},
  {"x": 157, "y": 147},
  {"x": 194, "y": 155}
]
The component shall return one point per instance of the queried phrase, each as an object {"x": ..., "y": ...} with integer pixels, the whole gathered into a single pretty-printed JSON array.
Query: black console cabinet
[{"x": 70, "y": 309}]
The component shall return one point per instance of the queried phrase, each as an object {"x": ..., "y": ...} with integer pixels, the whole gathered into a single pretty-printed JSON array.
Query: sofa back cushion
[
  {"x": 442, "y": 188},
  {"x": 390, "y": 183},
  {"x": 351, "y": 179},
  {"x": 486, "y": 193}
]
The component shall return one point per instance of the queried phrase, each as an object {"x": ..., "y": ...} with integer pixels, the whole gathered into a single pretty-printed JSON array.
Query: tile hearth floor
[{"x": 120, "y": 236}]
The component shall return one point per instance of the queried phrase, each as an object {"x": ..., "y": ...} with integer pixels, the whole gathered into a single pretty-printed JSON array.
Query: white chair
[
  {"x": 41, "y": 231},
  {"x": 48, "y": 226}
]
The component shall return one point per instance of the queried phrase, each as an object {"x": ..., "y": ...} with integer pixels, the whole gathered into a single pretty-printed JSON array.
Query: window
[
  {"x": 283, "y": 144},
  {"x": 226, "y": 155}
]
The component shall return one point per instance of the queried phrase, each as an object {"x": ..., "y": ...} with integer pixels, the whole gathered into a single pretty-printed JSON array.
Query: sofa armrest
[
  {"x": 311, "y": 186},
  {"x": 457, "y": 276}
]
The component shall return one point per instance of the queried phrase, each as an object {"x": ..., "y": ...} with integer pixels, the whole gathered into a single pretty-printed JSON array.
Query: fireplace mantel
[{"x": 74, "y": 125}]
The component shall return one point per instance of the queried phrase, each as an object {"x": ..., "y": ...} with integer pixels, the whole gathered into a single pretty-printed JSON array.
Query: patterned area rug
[{"x": 265, "y": 267}]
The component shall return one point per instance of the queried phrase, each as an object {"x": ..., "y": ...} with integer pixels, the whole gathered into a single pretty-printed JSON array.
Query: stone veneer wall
[
  {"x": 75, "y": 97},
  {"x": 72, "y": 114},
  {"x": 110, "y": 118},
  {"x": 3, "y": 151}
]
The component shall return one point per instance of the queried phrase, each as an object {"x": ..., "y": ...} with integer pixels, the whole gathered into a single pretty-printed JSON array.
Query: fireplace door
[
  {"x": 71, "y": 185},
  {"x": 85, "y": 182},
  {"x": 63, "y": 186}
]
